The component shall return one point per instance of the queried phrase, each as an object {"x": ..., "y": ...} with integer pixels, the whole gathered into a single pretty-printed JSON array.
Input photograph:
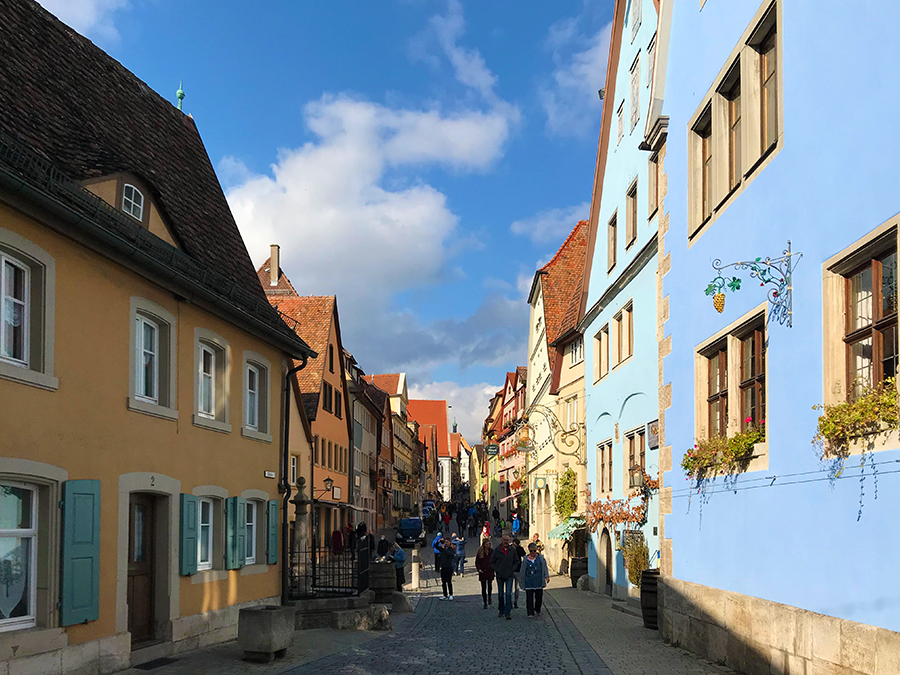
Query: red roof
[
  {"x": 284, "y": 285},
  {"x": 432, "y": 412},
  {"x": 389, "y": 382},
  {"x": 561, "y": 285}
]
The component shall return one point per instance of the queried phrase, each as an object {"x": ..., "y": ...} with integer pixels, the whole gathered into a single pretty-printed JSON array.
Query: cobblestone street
[{"x": 579, "y": 633}]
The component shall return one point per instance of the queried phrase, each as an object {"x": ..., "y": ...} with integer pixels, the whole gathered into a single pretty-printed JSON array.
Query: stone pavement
[{"x": 579, "y": 633}]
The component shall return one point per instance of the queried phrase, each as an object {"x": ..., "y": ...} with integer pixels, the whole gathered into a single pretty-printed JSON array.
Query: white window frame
[
  {"x": 140, "y": 371},
  {"x": 130, "y": 205},
  {"x": 252, "y": 397},
  {"x": 293, "y": 469},
  {"x": 620, "y": 122},
  {"x": 211, "y": 377},
  {"x": 577, "y": 350},
  {"x": 250, "y": 531},
  {"x": 5, "y": 296},
  {"x": 635, "y": 89},
  {"x": 21, "y": 622},
  {"x": 210, "y": 536}
]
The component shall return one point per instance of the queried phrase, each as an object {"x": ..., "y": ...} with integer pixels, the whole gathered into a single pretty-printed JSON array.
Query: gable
[{"x": 111, "y": 190}]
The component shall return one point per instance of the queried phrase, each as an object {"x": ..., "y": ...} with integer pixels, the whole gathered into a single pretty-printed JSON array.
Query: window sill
[
  {"x": 256, "y": 435},
  {"x": 212, "y": 425},
  {"x": 652, "y": 214},
  {"x": 207, "y": 576},
  {"x": 622, "y": 363},
  {"x": 152, "y": 409},
  {"x": 256, "y": 568},
  {"x": 30, "y": 377}
]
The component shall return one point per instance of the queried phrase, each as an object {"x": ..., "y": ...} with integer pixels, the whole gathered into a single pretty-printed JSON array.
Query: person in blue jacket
[
  {"x": 436, "y": 547},
  {"x": 398, "y": 556}
]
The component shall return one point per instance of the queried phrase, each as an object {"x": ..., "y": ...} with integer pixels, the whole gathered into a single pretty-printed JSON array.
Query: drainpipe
[{"x": 285, "y": 472}]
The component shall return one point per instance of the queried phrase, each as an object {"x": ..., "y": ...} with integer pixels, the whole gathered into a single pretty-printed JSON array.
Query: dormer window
[{"x": 133, "y": 202}]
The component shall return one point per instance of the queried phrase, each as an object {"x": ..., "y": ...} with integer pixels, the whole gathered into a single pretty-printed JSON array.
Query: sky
[{"x": 419, "y": 159}]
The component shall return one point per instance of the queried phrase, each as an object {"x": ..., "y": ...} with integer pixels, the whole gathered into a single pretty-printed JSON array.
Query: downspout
[{"x": 285, "y": 472}]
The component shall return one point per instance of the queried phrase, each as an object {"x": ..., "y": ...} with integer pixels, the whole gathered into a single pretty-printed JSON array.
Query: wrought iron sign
[
  {"x": 560, "y": 437},
  {"x": 773, "y": 272}
]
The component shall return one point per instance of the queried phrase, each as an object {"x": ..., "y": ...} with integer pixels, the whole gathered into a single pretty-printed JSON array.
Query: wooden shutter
[
  {"x": 189, "y": 525},
  {"x": 235, "y": 532},
  {"x": 80, "y": 582},
  {"x": 272, "y": 533}
]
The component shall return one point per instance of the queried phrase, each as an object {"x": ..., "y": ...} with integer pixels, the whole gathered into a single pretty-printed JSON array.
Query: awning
[
  {"x": 565, "y": 529},
  {"x": 514, "y": 494}
]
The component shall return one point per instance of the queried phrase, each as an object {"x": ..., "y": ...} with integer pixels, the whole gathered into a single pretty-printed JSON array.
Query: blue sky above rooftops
[{"x": 418, "y": 159}]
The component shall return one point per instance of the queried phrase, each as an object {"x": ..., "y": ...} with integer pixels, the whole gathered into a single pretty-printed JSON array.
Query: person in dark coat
[
  {"x": 505, "y": 563},
  {"x": 384, "y": 546},
  {"x": 448, "y": 555},
  {"x": 521, "y": 553},
  {"x": 485, "y": 571}
]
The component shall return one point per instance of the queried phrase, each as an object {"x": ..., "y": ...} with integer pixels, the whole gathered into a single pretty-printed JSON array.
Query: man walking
[
  {"x": 436, "y": 546},
  {"x": 505, "y": 563}
]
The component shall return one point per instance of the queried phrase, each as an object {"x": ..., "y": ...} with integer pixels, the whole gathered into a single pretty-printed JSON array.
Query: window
[
  {"x": 576, "y": 350},
  {"x": 252, "y": 397},
  {"x": 315, "y": 449},
  {"x": 337, "y": 405},
  {"x": 635, "y": 446},
  {"x": 571, "y": 412},
  {"x": 14, "y": 286},
  {"x": 635, "y": 90},
  {"x": 631, "y": 215},
  {"x": 651, "y": 56},
  {"x": 147, "y": 376},
  {"x": 704, "y": 131},
  {"x": 870, "y": 332},
  {"x": 717, "y": 390},
  {"x": 604, "y": 450},
  {"x": 653, "y": 185},
  {"x": 736, "y": 129},
  {"x": 327, "y": 397},
  {"x": 623, "y": 325},
  {"x": 207, "y": 405},
  {"x": 611, "y": 244},
  {"x": 18, "y": 556},
  {"x": 620, "y": 122},
  {"x": 753, "y": 378},
  {"x": 293, "y": 470},
  {"x": 602, "y": 357},
  {"x": 635, "y": 18},
  {"x": 205, "y": 535},
  {"x": 250, "y": 533},
  {"x": 133, "y": 202},
  {"x": 331, "y": 358},
  {"x": 330, "y": 455}
]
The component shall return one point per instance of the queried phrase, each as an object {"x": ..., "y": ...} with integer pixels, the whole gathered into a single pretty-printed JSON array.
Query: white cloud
[
  {"x": 88, "y": 17},
  {"x": 470, "y": 404},
  {"x": 552, "y": 225},
  {"x": 570, "y": 98},
  {"x": 354, "y": 218}
]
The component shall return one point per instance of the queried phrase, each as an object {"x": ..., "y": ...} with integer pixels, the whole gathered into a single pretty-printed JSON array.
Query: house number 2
[{"x": 152, "y": 481}]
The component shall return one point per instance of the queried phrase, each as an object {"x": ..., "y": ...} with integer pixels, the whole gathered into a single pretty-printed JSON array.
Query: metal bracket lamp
[{"x": 329, "y": 487}]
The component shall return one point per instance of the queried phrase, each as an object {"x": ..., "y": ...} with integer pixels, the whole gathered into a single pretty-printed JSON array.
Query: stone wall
[{"x": 757, "y": 636}]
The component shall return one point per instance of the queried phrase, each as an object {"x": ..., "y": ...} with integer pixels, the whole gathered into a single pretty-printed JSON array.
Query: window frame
[
  {"x": 32, "y": 533},
  {"x": 620, "y": 122},
  {"x": 652, "y": 185},
  {"x": 631, "y": 214},
  {"x": 717, "y": 399},
  {"x": 211, "y": 378},
  {"x": 754, "y": 383},
  {"x": 252, "y": 393},
  {"x": 327, "y": 396},
  {"x": 251, "y": 531},
  {"x": 25, "y": 303},
  {"x": 134, "y": 203},
  {"x": 576, "y": 351},
  {"x": 140, "y": 382},
  {"x": 611, "y": 241},
  {"x": 219, "y": 420},
  {"x": 165, "y": 406},
  {"x": 635, "y": 17},
  {"x": 294, "y": 465},
  {"x": 338, "y": 402},
  {"x": 635, "y": 90},
  {"x": 201, "y": 501},
  {"x": 262, "y": 431}
]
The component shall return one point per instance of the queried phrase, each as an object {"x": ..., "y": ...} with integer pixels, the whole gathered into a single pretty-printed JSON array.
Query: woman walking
[
  {"x": 533, "y": 576},
  {"x": 448, "y": 555},
  {"x": 485, "y": 571},
  {"x": 486, "y": 530}
]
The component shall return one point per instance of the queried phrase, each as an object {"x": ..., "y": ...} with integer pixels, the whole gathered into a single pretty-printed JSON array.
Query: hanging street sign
[{"x": 491, "y": 450}]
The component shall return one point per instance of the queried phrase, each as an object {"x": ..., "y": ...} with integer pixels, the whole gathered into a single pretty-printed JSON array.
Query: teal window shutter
[
  {"x": 240, "y": 540},
  {"x": 230, "y": 533},
  {"x": 272, "y": 538},
  {"x": 80, "y": 582},
  {"x": 190, "y": 522}
]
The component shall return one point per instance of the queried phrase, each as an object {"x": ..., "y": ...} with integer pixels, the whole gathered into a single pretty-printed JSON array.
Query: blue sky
[{"x": 418, "y": 159}]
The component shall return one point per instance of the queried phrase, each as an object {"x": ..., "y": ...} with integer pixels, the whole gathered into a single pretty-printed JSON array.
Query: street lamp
[
  {"x": 329, "y": 486},
  {"x": 637, "y": 476}
]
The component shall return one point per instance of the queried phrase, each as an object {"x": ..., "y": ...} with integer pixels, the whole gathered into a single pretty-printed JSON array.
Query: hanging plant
[
  {"x": 614, "y": 512},
  {"x": 566, "y": 495},
  {"x": 874, "y": 412},
  {"x": 723, "y": 456}
]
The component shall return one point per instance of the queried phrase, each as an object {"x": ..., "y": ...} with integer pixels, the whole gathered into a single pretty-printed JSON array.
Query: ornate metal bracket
[
  {"x": 559, "y": 435},
  {"x": 775, "y": 272}
]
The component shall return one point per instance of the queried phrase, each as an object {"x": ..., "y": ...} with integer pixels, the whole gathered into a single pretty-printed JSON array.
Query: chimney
[{"x": 274, "y": 265}]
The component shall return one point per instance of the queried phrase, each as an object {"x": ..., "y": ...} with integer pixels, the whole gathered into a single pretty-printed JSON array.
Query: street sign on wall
[{"x": 491, "y": 450}]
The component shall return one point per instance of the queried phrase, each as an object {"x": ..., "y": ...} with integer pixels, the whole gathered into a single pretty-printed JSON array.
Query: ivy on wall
[{"x": 566, "y": 495}]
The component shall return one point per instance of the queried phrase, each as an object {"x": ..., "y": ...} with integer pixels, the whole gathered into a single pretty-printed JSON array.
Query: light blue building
[
  {"x": 620, "y": 307},
  {"x": 782, "y": 121}
]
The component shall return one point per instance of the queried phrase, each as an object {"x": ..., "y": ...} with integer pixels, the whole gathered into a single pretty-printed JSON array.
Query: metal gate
[{"x": 320, "y": 571}]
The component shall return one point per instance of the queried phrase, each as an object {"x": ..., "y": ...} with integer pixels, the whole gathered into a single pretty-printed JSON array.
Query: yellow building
[{"x": 141, "y": 372}]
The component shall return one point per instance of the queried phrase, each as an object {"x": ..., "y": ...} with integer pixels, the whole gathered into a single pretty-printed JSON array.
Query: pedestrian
[
  {"x": 486, "y": 530},
  {"x": 470, "y": 525},
  {"x": 521, "y": 553},
  {"x": 504, "y": 561},
  {"x": 485, "y": 571},
  {"x": 398, "y": 557},
  {"x": 436, "y": 546},
  {"x": 536, "y": 540},
  {"x": 384, "y": 547},
  {"x": 448, "y": 554},
  {"x": 516, "y": 525},
  {"x": 350, "y": 538},
  {"x": 461, "y": 520},
  {"x": 495, "y": 514},
  {"x": 534, "y": 577},
  {"x": 446, "y": 523},
  {"x": 460, "y": 545}
]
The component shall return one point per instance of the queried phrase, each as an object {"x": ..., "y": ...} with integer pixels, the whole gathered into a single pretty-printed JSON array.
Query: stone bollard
[
  {"x": 415, "y": 568},
  {"x": 265, "y": 632}
]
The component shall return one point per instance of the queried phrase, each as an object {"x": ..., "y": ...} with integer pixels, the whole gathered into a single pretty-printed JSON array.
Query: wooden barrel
[
  {"x": 577, "y": 568},
  {"x": 649, "y": 598},
  {"x": 382, "y": 580}
]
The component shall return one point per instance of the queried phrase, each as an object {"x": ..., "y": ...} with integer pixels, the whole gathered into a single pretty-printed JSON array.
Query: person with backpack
[
  {"x": 504, "y": 562},
  {"x": 485, "y": 571}
]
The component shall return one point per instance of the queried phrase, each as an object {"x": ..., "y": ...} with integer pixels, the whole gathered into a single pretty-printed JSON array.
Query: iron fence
[{"x": 321, "y": 572}]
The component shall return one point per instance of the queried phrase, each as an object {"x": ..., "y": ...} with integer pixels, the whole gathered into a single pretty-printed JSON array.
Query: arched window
[{"x": 133, "y": 202}]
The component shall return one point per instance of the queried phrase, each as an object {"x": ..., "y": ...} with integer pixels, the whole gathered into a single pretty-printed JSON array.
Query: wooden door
[{"x": 141, "y": 536}]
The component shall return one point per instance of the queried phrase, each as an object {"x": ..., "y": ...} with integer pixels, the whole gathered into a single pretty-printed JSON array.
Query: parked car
[{"x": 410, "y": 531}]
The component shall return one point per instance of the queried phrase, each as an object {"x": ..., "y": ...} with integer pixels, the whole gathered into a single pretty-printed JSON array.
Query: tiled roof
[
  {"x": 284, "y": 285},
  {"x": 561, "y": 282},
  {"x": 454, "y": 444},
  {"x": 428, "y": 435},
  {"x": 378, "y": 395},
  {"x": 432, "y": 412},
  {"x": 522, "y": 375},
  {"x": 65, "y": 100},
  {"x": 389, "y": 382}
]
